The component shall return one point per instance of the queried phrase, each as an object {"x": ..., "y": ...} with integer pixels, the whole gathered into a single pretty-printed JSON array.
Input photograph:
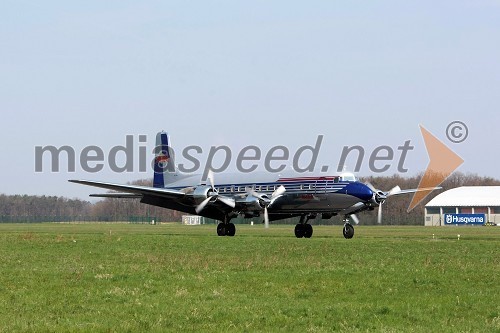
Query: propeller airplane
[{"x": 252, "y": 195}]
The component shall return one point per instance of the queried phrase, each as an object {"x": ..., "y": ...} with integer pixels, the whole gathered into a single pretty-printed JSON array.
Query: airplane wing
[
  {"x": 212, "y": 205},
  {"x": 132, "y": 191}
]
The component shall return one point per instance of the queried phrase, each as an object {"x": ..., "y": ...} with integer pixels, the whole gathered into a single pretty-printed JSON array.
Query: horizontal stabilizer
[
  {"x": 134, "y": 189},
  {"x": 117, "y": 195}
]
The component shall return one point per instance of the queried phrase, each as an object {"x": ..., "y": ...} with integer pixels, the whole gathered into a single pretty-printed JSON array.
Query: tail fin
[{"x": 165, "y": 171}]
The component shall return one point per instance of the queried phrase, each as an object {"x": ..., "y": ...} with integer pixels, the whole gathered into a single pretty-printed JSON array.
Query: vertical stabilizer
[{"x": 165, "y": 171}]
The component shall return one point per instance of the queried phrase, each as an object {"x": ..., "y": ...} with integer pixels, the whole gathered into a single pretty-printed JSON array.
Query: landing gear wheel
[
  {"x": 308, "y": 230},
  {"x": 221, "y": 229},
  {"x": 299, "y": 230},
  {"x": 348, "y": 231},
  {"x": 230, "y": 229}
]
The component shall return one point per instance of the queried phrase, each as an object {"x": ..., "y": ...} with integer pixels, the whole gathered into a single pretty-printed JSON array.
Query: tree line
[{"x": 26, "y": 208}]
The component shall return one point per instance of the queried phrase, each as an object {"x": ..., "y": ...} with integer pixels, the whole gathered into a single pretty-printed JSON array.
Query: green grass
[{"x": 67, "y": 277}]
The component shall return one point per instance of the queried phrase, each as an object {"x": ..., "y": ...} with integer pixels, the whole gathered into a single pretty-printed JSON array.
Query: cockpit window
[{"x": 348, "y": 177}]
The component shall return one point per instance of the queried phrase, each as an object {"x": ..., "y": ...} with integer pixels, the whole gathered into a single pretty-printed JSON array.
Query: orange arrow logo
[{"x": 443, "y": 161}]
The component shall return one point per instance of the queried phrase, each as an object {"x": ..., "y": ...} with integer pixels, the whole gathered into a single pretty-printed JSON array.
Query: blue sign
[{"x": 464, "y": 218}]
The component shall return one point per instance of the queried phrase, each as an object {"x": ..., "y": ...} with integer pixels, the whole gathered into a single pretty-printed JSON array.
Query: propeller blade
[
  {"x": 355, "y": 218},
  {"x": 277, "y": 194},
  {"x": 279, "y": 191},
  {"x": 227, "y": 201},
  {"x": 394, "y": 190},
  {"x": 202, "y": 205},
  {"x": 211, "y": 178},
  {"x": 379, "y": 214},
  {"x": 266, "y": 218}
]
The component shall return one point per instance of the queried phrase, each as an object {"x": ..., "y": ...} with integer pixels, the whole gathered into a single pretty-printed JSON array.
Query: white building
[
  {"x": 192, "y": 219},
  {"x": 464, "y": 200}
]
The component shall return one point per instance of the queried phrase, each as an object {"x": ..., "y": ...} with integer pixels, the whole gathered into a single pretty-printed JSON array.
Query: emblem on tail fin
[{"x": 162, "y": 159}]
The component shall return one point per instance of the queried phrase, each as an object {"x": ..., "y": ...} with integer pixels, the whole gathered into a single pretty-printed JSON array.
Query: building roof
[{"x": 467, "y": 196}]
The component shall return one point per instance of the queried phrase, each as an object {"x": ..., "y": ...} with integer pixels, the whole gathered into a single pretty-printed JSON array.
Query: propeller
[
  {"x": 268, "y": 201},
  {"x": 214, "y": 195},
  {"x": 380, "y": 197},
  {"x": 393, "y": 191}
]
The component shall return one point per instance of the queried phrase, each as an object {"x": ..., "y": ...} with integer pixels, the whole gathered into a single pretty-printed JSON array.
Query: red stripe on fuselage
[{"x": 302, "y": 179}]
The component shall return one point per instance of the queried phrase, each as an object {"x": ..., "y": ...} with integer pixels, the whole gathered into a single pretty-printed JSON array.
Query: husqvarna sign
[{"x": 464, "y": 219}]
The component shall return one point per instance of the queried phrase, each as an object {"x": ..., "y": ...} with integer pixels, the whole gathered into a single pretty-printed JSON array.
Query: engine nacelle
[
  {"x": 252, "y": 203},
  {"x": 200, "y": 193}
]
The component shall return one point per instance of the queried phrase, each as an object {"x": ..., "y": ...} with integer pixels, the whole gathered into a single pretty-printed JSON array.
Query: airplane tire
[
  {"x": 230, "y": 229},
  {"x": 299, "y": 230},
  {"x": 348, "y": 231},
  {"x": 221, "y": 229},
  {"x": 308, "y": 230}
]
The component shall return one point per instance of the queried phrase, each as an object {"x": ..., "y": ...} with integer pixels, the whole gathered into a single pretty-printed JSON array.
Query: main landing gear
[
  {"x": 348, "y": 230},
  {"x": 226, "y": 228},
  {"x": 304, "y": 229}
]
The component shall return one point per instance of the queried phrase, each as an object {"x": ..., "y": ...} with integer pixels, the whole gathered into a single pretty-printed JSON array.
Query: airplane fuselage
[{"x": 326, "y": 195}]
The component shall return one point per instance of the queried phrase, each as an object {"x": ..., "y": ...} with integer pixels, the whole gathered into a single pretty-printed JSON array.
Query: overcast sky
[{"x": 244, "y": 73}]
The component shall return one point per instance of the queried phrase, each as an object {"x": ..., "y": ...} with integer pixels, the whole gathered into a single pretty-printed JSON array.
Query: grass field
[{"x": 70, "y": 277}]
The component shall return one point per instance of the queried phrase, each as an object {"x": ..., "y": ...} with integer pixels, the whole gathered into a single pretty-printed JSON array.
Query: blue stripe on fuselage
[{"x": 358, "y": 190}]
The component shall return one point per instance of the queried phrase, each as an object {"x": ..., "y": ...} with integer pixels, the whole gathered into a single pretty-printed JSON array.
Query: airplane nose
[{"x": 360, "y": 191}]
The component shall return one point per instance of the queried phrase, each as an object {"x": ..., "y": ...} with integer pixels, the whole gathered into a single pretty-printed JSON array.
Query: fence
[
  {"x": 366, "y": 219},
  {"x": 76, "y": 219}
]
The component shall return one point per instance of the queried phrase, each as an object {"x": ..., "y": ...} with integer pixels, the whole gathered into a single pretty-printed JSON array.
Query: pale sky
[{"x": 244, "y": 73}]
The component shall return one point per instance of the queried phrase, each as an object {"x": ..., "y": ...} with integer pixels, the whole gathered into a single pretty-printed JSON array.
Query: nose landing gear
[{"x": 348, "y": 230}]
